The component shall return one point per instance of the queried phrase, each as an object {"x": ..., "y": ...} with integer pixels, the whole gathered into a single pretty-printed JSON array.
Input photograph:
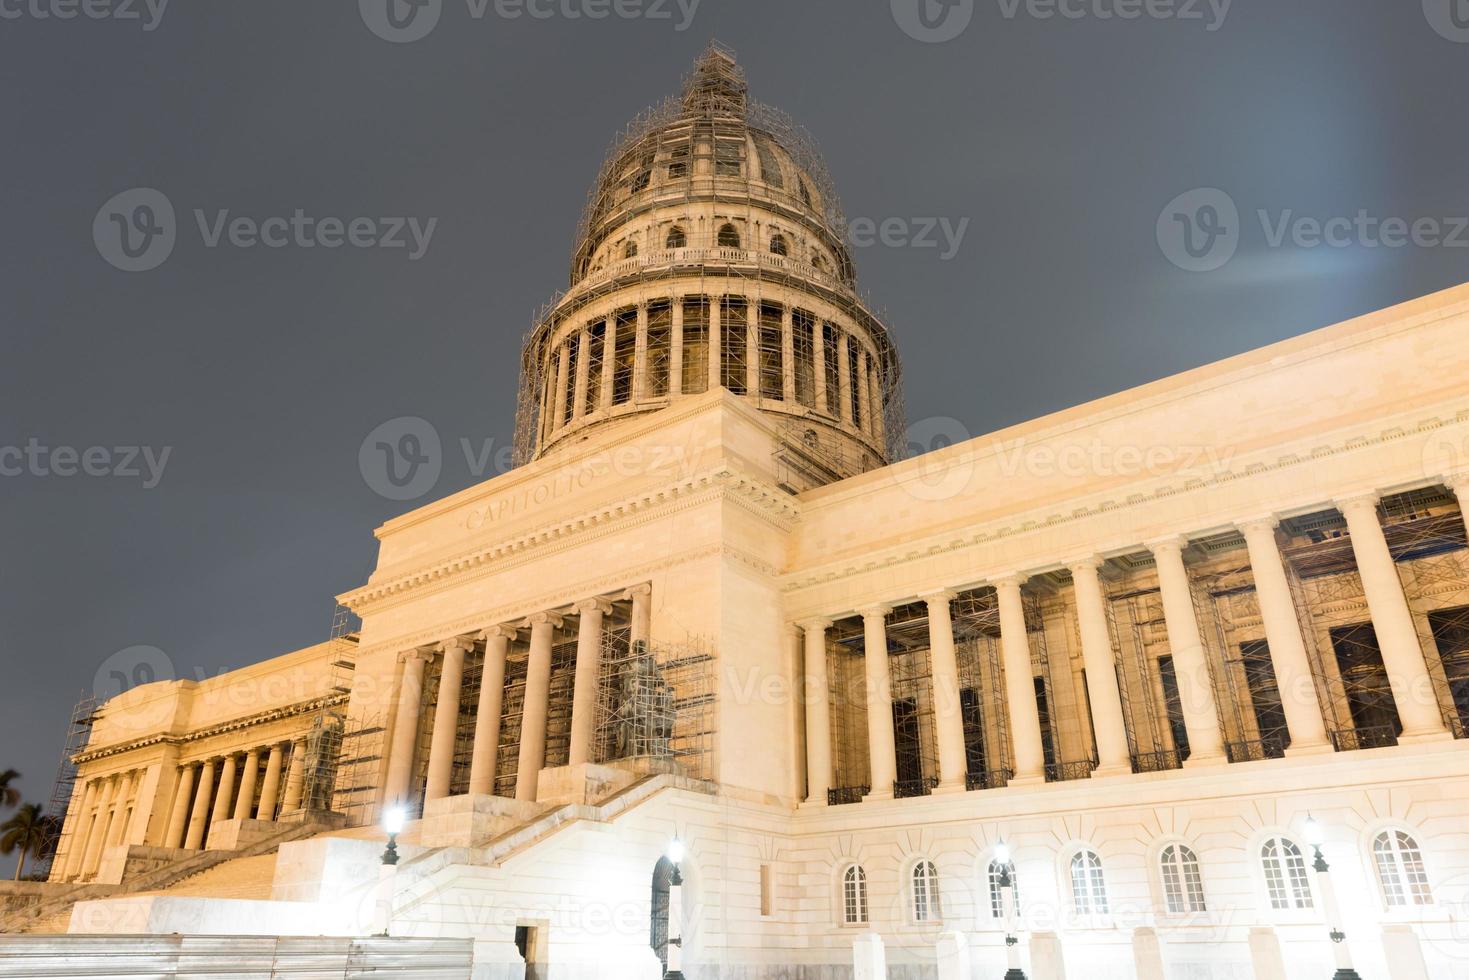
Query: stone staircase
[
  {"x": 246, "y": 877},
  {"x": 52, "y": 913}
]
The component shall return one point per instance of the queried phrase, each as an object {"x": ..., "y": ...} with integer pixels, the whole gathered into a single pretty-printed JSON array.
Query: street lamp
[
  {"x": 675, "y": 912},
  {"x": 393, "y": 821},
  {"x": 1007, "y": 909},
  {"x": 1316, "y": 836}
]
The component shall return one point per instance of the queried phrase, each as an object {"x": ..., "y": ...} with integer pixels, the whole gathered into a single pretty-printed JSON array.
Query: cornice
[
  {"x": 913, "y": 552},
  {"x": 223, "y": 728},
  {"x": 764, "y": 500}
]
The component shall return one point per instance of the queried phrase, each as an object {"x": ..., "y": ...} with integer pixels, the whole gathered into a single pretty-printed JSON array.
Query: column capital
[
  {"x": 1364, "y": 501},
  {"x": 1259, "y": 524},
  {"x": 545, "y": 618},
  {"x": 424, "y": 653},
  {"x": 874, "y": 612},
  {"x": 464, "y": 644},
  {"x": 1010, "y": 580},
  {"x": 593, "y": 605},
  {"x": 939, "y": 597},
  {"x": 499, "y": 632},
  {"x": 1085, "y": 563},
  {"x": 645, "y": 589},
  {"x": 817, "y": 625},
  {"x": 1457, "y": 482},
  {"x": 1172, "y": 543},
  {"x": 298, "y": 740},
  {"x": 253, "y": 751}
]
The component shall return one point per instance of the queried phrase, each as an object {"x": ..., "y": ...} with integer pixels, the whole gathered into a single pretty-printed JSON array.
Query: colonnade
[
  {"x": 1402, "y": 654},
  {"x": 224, "y": 787},
  {"x": 541, "y": 628},
  {"x": 103, "y": 820}
]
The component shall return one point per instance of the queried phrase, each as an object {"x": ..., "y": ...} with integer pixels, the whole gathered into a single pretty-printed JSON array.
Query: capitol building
[{"x": 722, "y": 681}]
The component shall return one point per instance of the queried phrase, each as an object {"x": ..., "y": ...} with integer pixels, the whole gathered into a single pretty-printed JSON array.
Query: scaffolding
[
  {"x": 982, "y": 702},
  {"x": 910, "y": 677},
  {"x": 57, "y": 829},
  {"x": 714, "y": 142},
  {"x": 1155, "y": 736},
  {"x": 656, "y": 704},
  {"x": 847, "y": 695}
]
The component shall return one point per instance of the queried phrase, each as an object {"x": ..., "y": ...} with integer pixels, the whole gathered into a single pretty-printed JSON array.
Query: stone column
[
  {"x": 295, "y": 776},
  {"x": 97, "y": 837},
  {"x": 1025, "y": 718},
  {"x": 609, "y": 360},
  {"x": 246, "y": 799},
  {"x": 558, "y": 402},
  {"x": 405, "y": 725},
  {"x": 642, "y": 613},
  {"x": 270, "y": 790},
  {"x": 675, "y": 351},
  {"x": 882, "y": 753},
  {"x": 752, "y": 347},
  {"x": 1113, "y": 756},
  {"x": 128, "y": 782},
  {"x": 487, "y": 714},
  {"x": 1190, "y": 666},
  {"x": 178, "y": 817},
  {"x": 446, "y": 719},
  {"x": 199, "y": 814},
  {"x": 226, "y": 792},
  {"x": 844, "y": 379},
  {"x": 864, "y": 391},
  {"x": 583, "y": 375},
  {"x": 818, "y": 348},
  {"x": 716, "y": 341},
  {"x": 877, "y": 423},
  {"x": 1288, "y": 656},
  {"x": 788, "y": 352},
  {"x": 543, "y": 628},
  {"x": 1397, "y": 636},
  {"x": 640, "y": 355},
  {"x": 588, "y": 669},
  {"x": 818, "y": 712},
  {"x": 76, "y": 848},
  {"x": 948, "y": 714}
]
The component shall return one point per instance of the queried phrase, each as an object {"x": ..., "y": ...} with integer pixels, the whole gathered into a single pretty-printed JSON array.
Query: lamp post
[
  {"x": 675, "y": 912},
  {"x": 393, "y": 821},
  {"x": 1007, "y": 910},
  {"x": 1315, "y": 836}
]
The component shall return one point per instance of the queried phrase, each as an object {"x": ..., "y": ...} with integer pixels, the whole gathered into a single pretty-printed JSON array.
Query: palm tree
[
  {"x": 9, "y": 795},
  {"x": 25, "y": 831}
]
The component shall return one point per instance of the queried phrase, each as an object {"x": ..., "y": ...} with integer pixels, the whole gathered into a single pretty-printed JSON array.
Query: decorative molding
[{"x": 224, "y": 728}]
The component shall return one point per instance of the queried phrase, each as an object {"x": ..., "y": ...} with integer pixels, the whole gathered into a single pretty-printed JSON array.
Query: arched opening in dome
[
  {"x": 818, "y": 262},
  {"x": 779, "y": 246},
  {"x": 729, "y": 237},
  {"x": 630, "y": 251},
  {"x": 676, "y": 238}
]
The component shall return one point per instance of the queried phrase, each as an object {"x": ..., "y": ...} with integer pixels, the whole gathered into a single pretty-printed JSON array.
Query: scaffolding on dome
[{"x": 712, "y": 141}]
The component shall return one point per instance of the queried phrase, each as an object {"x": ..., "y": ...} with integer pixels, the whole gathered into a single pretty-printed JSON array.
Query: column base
[
  {"x": 949, "y": 789},
  {"x": 1024, "y": 782},
  {"x": 1015, "y": 973},
  {"x": 1106, "y": 772},
  {"x": 1346, "y": 975},
  {"x": 1206, "y": 762},
  {"x": 877, "y": 796},
  {"x": 1320, "y": 748},
  {"x": 813, "y": 803},
  {"x": 1425, "y": 738}
]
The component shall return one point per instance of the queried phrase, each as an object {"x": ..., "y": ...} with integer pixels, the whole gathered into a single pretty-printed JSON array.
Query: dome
[{"x": 712, "y": 255}]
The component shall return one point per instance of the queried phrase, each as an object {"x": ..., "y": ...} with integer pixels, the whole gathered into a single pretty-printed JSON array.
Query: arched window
[
  {"x": 1183, "y": 885},
  {"x": 1400, "y": 870},
  {"x": 1088, "y": 888},
  {"x": 997, "y": 895},
  {"x": 806, "y": 192},
  {"x": 658, "y": 923},
  {"x": 925, "y": 892},
  {"x": 778, "y": 245},
  {"x": 854, "y": 896},
  {"x": 729, "y": 237},
  {"x": 630, "y": 251},
  {"x": 677, "y": 238},
  {"x": 818, "y": 262},
  {"x": 1285, "y": 874}
]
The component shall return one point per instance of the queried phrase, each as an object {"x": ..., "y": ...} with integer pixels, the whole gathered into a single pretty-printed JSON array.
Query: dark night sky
[{"x": 1059, "y": 140}]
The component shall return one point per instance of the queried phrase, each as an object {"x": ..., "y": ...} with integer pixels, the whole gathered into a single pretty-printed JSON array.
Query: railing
[
  {"x": 1065, "y": 772},
  {"x": 1161, "y": 761},
  {"x": 842, "y": 795},
  {"x": 674, "y": 258},
  {"x": 987, "y": 779},
  {"x": 1354, "y": 739},
  {"x": 1253, "y": 750},
  {"x": 906, "y": 788}
]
